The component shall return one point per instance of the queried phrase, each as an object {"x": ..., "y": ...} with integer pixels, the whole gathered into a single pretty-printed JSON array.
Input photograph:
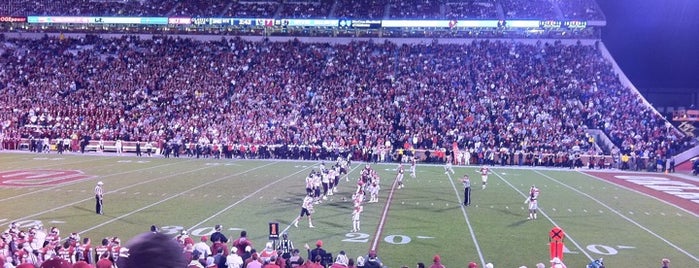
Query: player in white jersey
[
  {"x": 448, "y": 166},
  {"x": 484, "y": 175},
  {"x": 533, "y": 201},
  {"x": 309, "y": 182},
  {"x": 399, "y": 176},
  {"x": 344, "y": 168},
  {"x": 332, "y": 178},
  {"x": 356, "y": 214},
  {"x": 118, "y": 146},
  {"x": 317, "y": 185},
  {"x": 335, "y": 178},
  {"x": 306, "y": 210},
  {"x": 325, "y": 180},
  {"x": 101, "y": 146},
  {"x": 374, "y": 192},
  {"x": 413, "y": 166}
]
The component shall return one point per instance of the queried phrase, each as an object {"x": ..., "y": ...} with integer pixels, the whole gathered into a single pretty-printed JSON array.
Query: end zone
[
  {"x": 682, "y": 193},
  {"x": 40, "y": 177}
]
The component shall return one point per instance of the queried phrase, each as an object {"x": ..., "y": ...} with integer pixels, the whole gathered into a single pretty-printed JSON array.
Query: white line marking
[
  {"x": 247, "y": 197},
  {"x": 33, "y": 193},
  {"x": 349, "y": 172},
  {"x": 570, "y": 238},
  {"x": 173, "y": 196},
  {"x": 384, "y": 214},
  {"x": 468, "y": 222},
  {"x": 622, "y": 215},
  {"x": 113, "y": 191}
]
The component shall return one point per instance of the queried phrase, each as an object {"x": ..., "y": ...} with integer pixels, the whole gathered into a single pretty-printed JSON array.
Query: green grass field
[{"x": 628, "y": 229}]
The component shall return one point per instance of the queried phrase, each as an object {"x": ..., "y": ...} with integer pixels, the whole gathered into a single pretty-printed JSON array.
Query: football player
[
  {"x": 448, "y": 166},
  {"x": 413, "y": 166},
  {"x": 484, "y": 175},
  {"x": 356, "y": 213},
  {"x": 532, "y": 200},
  {"x": 306, "y": 210},
  {"x": 399, "y": 176}
]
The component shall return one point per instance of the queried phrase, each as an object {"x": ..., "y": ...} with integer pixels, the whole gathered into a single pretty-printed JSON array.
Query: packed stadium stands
[
  {"x": 485, "y": 95},
  {"x": 494, "y": 98},
  {"x": 364, "y": 9},
  {"x": 500, "y": 96}
]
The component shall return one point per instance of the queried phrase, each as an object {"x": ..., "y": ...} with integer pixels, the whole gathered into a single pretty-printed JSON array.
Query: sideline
[{"x": 621, "y": 214}]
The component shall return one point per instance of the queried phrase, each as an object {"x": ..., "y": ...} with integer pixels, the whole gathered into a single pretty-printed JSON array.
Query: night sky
[{"x": 656, "y": 42}]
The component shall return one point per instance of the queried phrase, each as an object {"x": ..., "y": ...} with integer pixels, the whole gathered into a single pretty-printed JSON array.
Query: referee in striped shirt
[
  {"x": 99, "y": 194},
  {"x": 467, "y": 190}
]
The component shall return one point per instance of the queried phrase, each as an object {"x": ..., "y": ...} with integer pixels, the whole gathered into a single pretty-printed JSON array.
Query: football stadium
[{"x": 336, "y": 133}]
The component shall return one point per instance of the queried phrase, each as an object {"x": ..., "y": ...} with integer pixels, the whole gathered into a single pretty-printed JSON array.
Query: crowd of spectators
[
  {"x": 200, "y": 8},
  {"x": 580, "y": 9},
  {"x": 529, "y": 9},
  {"x": 37, "y": 247},
  {"x": 485, "y": 95},
  {"x": 262, "y": 9},
  {"x": 317, "y": 9},
  {"x": 305, "y": 9},
  {"x": 87, "y": 7},
  {"x": 360, "y": 9},
  {"x": 483, "y": 9},
  {"x": 415, "y": 9}
]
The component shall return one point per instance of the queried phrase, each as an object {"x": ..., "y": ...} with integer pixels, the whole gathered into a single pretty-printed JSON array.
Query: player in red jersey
[
  {"x": 484, "y": 175},
  {"x": 67, "y": 252},
  {"x": 533, "y": 201},
  {"x": 54, "y": 237},
  {"x": 102, "y": 249}
]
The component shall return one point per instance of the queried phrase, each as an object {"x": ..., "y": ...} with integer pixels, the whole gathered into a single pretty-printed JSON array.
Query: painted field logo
[{"x": 39, "y": 177}]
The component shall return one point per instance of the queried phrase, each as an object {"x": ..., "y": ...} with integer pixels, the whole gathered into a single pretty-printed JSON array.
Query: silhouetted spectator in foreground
[{"x": 153, "y": 251}]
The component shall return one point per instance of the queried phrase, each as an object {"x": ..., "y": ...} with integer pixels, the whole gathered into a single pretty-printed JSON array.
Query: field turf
[{"x": 601, "y": 219}]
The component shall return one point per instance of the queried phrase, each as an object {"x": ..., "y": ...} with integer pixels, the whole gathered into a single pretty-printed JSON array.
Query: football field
[{"x": 625, "y": 226}]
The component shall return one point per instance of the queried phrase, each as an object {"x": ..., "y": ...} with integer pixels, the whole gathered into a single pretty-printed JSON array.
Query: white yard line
[
  {"x": 112, "y": 191},
  {"x": 91, "y": 178},
  {"x": 384, "y": 215},
  {"x": 568, "y": 236},
  {"x": 176, "y": 195},
  {"x": 642, "y": 193},
  {"x": 249, "y": 196},
  {"x": 468, "y": 222},
  {"x": 621, "y": 214},
  {"x": 348, "y": 173},
  {"x": 53, "y": 162}
]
